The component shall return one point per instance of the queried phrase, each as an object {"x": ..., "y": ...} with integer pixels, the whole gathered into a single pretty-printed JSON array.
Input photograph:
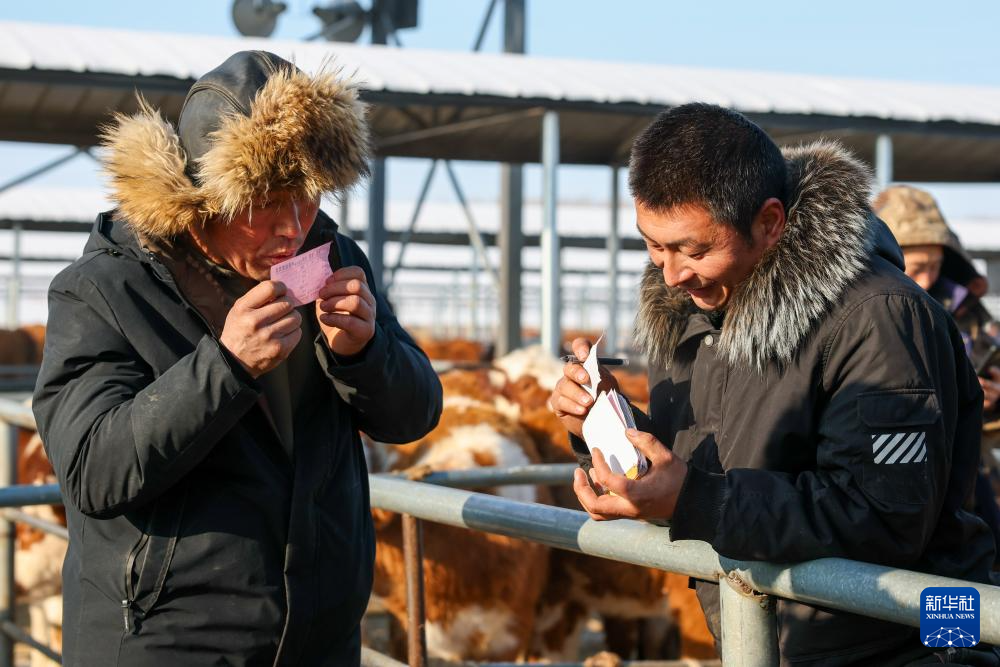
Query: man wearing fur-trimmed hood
[
  {"x": 203, "y": 424},
  {"x": 807, "y": 399}
]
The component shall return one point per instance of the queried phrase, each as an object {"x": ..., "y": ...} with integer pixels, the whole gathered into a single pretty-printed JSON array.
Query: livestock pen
[{"x": 747, "y": 589}]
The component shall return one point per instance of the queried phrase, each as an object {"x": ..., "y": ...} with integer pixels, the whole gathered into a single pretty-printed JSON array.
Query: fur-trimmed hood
[
  {"x": 303, "y": 134},
  {"x": 828, "y": 239}
]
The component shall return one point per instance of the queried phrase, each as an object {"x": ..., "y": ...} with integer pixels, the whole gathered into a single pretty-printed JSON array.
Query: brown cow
[
  {"x": 22, "y": 347},
  {"x": 38, "y": 556},
  {"x": 579, "y": 585},
  {"x": 481, "y": 590}
]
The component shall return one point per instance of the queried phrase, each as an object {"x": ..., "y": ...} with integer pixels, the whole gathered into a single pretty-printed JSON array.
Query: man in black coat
[
  {"x": 807, "y": 398},
  {"x": 205, "y": 429}
]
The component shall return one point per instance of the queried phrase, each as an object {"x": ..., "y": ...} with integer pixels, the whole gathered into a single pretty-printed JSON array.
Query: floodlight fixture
[
  {"x": 343, "y": 20},
  {"x": 256, "y": 18}
]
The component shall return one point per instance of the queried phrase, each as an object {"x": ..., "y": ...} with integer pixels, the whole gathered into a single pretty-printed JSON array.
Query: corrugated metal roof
[
  {"x": 59, "y": 83},
  {"x": 26, "y": 46}
]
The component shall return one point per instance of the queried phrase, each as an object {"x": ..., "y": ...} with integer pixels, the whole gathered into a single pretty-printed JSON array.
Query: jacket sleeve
[
  {"x": 390, "y": 386},
  {"x": 116, "y": 435},
  {"x": 896, "y": 384}
]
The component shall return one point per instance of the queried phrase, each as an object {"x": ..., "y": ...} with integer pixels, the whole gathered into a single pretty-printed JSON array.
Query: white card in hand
[
  {"x": 603, "y": 429},
  {"x": 590, "y": 365}
]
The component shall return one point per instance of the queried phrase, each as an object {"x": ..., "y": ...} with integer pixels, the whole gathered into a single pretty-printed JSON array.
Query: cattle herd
[{"x": 488, "y": 597}]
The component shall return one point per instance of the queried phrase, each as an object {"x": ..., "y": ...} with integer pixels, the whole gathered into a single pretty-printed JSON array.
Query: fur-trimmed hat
[{"x": 253, "y": 125}]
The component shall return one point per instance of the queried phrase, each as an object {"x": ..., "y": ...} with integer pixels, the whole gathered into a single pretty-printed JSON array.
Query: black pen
[{"x": 604, "y": 361}]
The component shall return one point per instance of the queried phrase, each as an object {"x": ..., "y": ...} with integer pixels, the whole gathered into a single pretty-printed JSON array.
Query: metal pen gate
[{"x": 747, "y": 588}]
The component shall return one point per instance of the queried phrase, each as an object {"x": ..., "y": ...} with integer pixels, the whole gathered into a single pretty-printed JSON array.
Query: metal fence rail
[
  {"x": 479, "y": 478},
  {"x": 871, "y": 590},
  {"x": 749, "y": 633}
]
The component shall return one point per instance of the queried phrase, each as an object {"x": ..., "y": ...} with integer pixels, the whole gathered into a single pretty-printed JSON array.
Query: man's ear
[{"x": 769, "y": 223}]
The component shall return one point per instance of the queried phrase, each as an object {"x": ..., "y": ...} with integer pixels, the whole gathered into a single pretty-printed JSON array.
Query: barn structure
[{"x": 59, "y": 83}]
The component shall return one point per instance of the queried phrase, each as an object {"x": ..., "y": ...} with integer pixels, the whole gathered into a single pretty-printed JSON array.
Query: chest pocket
[{"x": 903, "y": 432}]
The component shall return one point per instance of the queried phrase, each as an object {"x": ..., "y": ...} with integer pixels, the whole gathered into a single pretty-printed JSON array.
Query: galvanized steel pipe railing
[
  {"x": 872, "y": 590},
  {"x": 479, "y": 478}
]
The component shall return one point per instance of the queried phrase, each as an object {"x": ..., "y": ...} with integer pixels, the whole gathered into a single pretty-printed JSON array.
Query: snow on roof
[{"x": 65, "y": 48}]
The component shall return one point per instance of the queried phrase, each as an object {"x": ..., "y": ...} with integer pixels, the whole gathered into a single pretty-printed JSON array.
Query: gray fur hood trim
[{"x": 828, "y": 239}]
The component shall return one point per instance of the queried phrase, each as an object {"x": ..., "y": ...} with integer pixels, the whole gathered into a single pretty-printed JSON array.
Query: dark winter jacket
[
  {"x": 195, "y": 539},
  {"x": 833, "y": 414}
]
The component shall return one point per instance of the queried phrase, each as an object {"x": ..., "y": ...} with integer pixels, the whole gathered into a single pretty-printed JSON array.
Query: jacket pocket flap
[{"x": 904, "y": 407}]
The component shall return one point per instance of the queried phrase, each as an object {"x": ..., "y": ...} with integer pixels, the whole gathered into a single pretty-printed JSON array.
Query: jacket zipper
[{"x": 128, "y": 604}]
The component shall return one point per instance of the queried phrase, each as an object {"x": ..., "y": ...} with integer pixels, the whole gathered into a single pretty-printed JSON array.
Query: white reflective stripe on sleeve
[
  {"x": 888, "y": 448},
  {"x": 902, "y": 448},
  {"x": 876, "y": 444},
  {"x": 915, "y": 449}
]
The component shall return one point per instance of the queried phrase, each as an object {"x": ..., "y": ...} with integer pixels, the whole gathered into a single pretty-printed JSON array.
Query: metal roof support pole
[
  {"x": 511, "y": 200},
  {"x": 511, "y": 240},
  {"x": 14, "y": 286},
  {"x": 405, "y": 238},
  {"x": 749, "y": 626},
  {"x": 474, "y": 236},
  {"x": 474, "y": 299},
  {"x": 375, "y": 233},
  {"x": 45, "y": 168},
  {"x": 883, "y": 161},
  {"x": 455, "y": 321},
  {"x": 614, "y": 246},
  {"x": 551, "y": 335}
]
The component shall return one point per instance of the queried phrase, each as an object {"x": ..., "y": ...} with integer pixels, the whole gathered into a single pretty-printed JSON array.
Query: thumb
[{"x": 647, "y": 444}]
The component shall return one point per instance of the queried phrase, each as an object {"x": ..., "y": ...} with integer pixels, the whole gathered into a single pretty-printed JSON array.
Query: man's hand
[
  {"x": 346, "y": 311},
  {"x": 652, "y": 496},
  {"x": 991, "y": 389},
  {"x": 570, "y": 402},
  {"x": 262, "y": 328}
]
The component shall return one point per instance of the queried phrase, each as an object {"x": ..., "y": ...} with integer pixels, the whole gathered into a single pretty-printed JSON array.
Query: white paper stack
[{"x": 604, "y": 428}]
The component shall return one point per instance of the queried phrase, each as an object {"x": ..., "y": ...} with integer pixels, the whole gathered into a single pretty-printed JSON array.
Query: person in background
[
  {"x": 936, "y": 260},
  {"x": 204, "y": 427}
]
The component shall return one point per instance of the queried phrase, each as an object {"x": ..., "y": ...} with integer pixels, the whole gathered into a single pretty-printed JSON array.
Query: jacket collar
[{"x": 829, "y": 238}]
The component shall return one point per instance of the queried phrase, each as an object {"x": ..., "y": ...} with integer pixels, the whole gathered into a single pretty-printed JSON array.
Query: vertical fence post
[
  {"x": 8, "y": 477},
  {"x": 749, "y": 627},
  {"x": 614, "y": 246},
  {"x": 413, "y": 556},
  {"x": 551, "y": 271}
]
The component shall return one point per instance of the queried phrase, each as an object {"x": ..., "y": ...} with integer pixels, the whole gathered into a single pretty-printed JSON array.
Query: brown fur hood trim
[
  {"x": 828, "y": 239},
  {"x": 304, "y": 134}
]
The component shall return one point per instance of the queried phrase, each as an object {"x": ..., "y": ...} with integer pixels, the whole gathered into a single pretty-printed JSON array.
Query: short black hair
[{"x": 705, "y": 154}]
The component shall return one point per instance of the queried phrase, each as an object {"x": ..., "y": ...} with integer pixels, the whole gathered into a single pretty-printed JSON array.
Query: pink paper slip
[{"x": 305, "y": 274}]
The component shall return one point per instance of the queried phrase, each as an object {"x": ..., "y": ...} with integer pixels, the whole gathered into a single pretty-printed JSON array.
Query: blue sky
[{"x": 953, "y": 42}]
